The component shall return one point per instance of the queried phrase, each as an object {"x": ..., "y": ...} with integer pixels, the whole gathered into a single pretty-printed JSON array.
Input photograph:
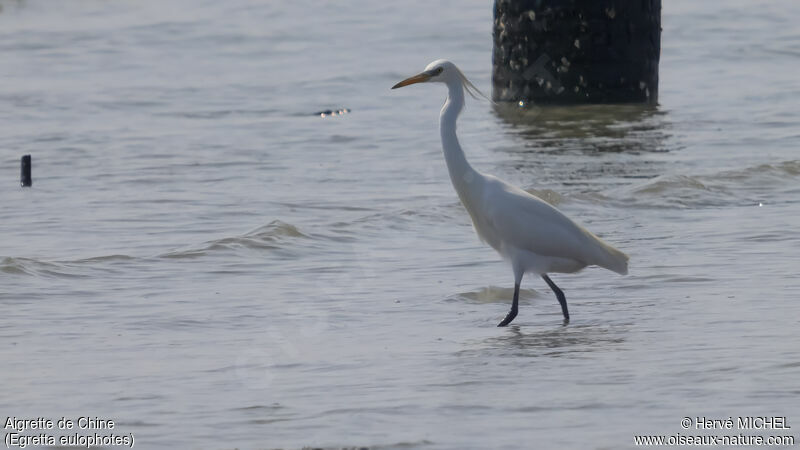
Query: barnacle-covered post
[{"x": 576, "y": 51}]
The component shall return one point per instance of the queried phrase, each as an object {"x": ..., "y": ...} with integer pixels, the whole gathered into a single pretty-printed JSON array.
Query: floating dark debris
[{"x": 332, "y": 112}]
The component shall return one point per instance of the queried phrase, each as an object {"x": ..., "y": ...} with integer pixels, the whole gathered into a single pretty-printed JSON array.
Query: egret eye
[{"x": 438, "y": 70}]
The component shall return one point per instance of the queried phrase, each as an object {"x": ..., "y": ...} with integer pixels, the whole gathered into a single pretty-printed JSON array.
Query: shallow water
[{"x": 208, "y": 262}]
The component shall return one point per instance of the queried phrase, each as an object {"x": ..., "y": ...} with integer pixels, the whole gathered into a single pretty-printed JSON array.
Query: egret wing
[{"x": 526, "y": 222}]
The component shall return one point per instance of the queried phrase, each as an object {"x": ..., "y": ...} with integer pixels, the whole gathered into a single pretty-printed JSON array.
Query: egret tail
[{"x": 610, "y": 258}]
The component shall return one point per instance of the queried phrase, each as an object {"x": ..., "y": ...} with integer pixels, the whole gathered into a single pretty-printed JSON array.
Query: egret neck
[{"x": 461, "y": 173}]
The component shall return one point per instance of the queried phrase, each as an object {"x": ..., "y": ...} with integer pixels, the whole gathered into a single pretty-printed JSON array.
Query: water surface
[{"x": 208, "y": 262}]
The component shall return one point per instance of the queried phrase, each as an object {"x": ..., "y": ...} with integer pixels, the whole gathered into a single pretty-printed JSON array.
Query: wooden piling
[
  {"x": 25, "y": 171},
  {"x": 576, "y": 51}
]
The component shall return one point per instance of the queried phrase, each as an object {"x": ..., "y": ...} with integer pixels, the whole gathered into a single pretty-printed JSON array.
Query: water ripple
[{"x": 742, "y": 187}]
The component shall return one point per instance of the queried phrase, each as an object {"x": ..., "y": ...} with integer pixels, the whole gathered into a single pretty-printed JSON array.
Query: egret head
[{"x": 442, "y": 71}]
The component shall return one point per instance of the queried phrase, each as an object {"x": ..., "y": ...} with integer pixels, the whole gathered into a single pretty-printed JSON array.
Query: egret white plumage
[{"x": 532, "y": 235}]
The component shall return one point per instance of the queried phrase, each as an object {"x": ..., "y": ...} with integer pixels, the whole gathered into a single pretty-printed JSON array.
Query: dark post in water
[
  {"x": 25, "y": 171},
  {"x": 576, "y": 51}
]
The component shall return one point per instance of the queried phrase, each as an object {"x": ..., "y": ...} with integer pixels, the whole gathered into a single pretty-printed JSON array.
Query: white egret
[{"x": 532, "y": 235}]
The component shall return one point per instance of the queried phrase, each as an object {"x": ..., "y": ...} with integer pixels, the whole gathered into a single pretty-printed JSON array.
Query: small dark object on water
[
  {"x": 25, "y": 171},
  {"x": 332, "y": 112}
]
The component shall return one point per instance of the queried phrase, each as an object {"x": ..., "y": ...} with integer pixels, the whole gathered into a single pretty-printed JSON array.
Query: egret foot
[
  {"x": 509, "y": 317},
  {"x": 560, "y": 296},
  {"x": 514, "y": 308}
]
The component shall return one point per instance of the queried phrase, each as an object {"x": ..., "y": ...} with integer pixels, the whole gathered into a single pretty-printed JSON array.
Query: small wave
[
  {"x": 29, "y": 266},
  {"x": 749, "y": 186},
  {"x": 272, "y": 236},
  {"x": 275, "y": 229},
  {"x": 257, "y": 408},
  {"x": 38, "y": 268},
  {"x": 76, "y": 268},
  {"x": 665, "y": 183},
  {"x": 786, "y": 168},
  {"x": 106, "y": 258},
  {"x": 680, "y": 191}
]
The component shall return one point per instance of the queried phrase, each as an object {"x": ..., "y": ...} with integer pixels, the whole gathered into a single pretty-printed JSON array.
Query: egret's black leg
[
  {"x": 514, "y": 306},
  {"x": 560, "y": 295}
]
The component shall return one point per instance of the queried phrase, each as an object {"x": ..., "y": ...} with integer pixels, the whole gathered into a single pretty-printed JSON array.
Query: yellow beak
[{"x": 419, "y": 78}]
